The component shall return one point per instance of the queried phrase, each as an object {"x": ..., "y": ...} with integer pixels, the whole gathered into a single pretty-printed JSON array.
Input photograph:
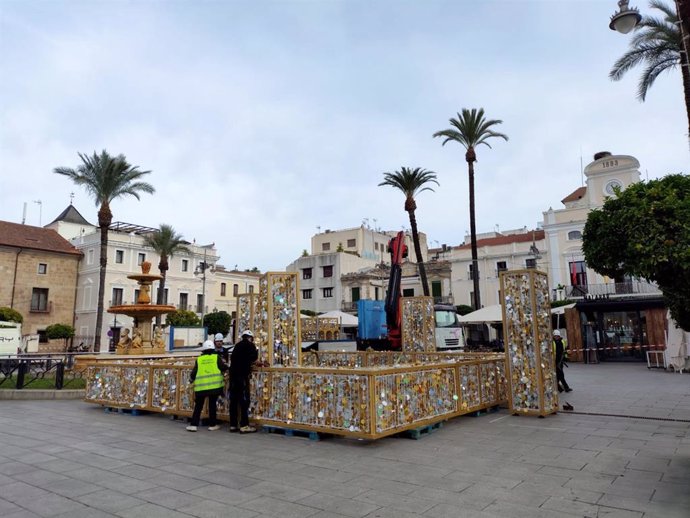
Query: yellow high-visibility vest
[{"x": 208, "y": 375}]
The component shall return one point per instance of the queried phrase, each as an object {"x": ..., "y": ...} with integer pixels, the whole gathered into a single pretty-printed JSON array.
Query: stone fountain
[{"x": 143, "y": 340}]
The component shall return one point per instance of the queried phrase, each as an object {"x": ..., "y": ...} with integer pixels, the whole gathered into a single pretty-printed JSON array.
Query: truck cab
[
  {"x": 449, "y": 333},
  {"x": 10, "y": 338}
]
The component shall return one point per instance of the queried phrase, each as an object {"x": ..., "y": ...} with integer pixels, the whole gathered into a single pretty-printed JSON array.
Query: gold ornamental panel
[
  {"x": 530, "y": 373},
  {"x": 418, "y": 324}
]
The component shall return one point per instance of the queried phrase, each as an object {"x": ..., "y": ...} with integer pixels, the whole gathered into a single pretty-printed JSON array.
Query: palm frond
[
  {"x": 471, "y": 129},
  {"x": 656, "y": 43},
  {"x": 106, "y": 177},
  {"x": 410, "y": 181}
]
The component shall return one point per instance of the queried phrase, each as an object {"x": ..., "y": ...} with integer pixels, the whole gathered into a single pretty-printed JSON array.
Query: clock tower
[{"x": 608, "y": 173}]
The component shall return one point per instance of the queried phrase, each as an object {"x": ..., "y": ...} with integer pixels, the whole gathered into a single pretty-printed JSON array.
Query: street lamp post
[
  {"x": 625, "y": 19},
  {"x": 201, "y": 270}
]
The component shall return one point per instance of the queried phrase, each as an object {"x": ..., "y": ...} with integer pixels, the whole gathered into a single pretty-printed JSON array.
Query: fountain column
[{"x": 142, "y": 339}]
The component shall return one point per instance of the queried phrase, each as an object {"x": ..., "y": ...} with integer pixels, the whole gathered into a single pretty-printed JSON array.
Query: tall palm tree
[
  {"x": 106, "y": 178},
  {"x": 166, "y": 243},
  {"x": 470, "y": 130},
  {"x": 657, "y": 44},
  {"x": 411, "y": 182}
]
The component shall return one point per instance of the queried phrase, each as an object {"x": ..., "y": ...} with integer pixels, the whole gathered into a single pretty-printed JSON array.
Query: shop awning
[
  {"x": 488, "y": 314},
  {"x": 561, "y": 309}
]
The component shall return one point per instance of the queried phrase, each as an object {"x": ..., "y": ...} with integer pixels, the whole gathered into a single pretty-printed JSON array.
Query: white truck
[
  {"x": 449, "y": 334},
  {"x": 10, "y": 338}
]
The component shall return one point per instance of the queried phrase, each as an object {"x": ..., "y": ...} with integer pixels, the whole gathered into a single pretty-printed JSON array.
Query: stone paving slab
[{"x": 70, "y": 459}]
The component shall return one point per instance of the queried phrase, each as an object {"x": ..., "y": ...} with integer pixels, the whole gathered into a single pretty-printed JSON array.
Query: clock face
[{"x": 610, "y": 186}]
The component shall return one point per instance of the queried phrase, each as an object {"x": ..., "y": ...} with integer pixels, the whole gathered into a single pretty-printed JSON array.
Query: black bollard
[
  {"x": 60, "y": 376},
  {"x": 21, "y": 371}
]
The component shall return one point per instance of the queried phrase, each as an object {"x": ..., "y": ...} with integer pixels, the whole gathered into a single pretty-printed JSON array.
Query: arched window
[{"x": 574, "y": 234}]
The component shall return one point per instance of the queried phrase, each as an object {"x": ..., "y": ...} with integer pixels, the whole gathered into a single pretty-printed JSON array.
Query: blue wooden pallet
[
  {"x": 293, "y": 432},
  {"x": 416, "y": 433},
  {"x": 118, "y": 410},
  {"x": 484, "y": 411}
]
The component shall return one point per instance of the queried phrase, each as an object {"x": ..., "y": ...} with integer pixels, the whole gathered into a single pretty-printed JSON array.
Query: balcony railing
[
  {"x": 612, "y": 290},
  {"x": 348, "y": 306},
  {"x": 41, "y": 308}
]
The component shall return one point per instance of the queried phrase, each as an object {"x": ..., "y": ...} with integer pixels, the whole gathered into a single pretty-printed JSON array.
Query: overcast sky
[{"x": 261, "y": 121}]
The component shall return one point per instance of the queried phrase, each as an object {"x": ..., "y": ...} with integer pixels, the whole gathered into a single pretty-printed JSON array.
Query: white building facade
[
  {"x": 497, "y": 252},
  {"x": 186, "y": 285}
]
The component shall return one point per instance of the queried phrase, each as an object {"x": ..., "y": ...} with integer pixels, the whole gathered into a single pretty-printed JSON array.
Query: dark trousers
[
  {"x": 239, "y": 400},
  {"x": 560, "y": 376},
  {"x": 199, "y": 405}
]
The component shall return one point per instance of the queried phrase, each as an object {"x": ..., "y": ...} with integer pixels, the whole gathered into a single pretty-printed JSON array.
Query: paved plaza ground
[{"x": 70, "y": 459}]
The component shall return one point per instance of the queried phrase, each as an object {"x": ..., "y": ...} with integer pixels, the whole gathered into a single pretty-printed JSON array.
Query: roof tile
[{"x": 35, "y": 238}]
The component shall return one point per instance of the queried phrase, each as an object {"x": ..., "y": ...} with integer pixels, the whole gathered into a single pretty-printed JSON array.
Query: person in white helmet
[
  {"x": 243, "y": 356},
  {"x": 218, "y": 343},
  {"x": 207, "y": 377}
]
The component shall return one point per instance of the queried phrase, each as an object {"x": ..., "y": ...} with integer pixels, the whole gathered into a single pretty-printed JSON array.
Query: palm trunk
[
  {"x": 683, "y": 10},
  {"x": 105, "y": 217},
  {"x": 418, "y": 253},
  {"x": 163, "y": 268},
  {"x": 470, "y": 156}
]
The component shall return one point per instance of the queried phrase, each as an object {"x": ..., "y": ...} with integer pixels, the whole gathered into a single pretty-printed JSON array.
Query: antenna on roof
[
  {"x": 24, "y": 214},
  {"x": 582, "y": 171},
  {"x": 40, "y": 211},
  {"x": 71, "y": 197}
]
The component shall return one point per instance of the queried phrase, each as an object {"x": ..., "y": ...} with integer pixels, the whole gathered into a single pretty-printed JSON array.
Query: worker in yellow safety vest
[
  {"x": 559, "y": 350},
  {"x": 207, "y": 377}
]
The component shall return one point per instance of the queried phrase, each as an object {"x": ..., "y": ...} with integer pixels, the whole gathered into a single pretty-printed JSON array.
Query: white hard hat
[
  {"x": 218, "y": 337},
  {"x": 556, "y": 333},
  {"x": 207, "y": 346},
  {"x": 247, "y": 333}
]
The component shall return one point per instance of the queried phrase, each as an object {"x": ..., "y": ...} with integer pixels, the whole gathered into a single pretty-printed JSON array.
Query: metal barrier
[{"x": 25, "y": 369}]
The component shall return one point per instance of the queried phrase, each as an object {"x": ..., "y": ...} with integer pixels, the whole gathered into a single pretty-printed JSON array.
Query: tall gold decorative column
[
  {"x": 278, "y": 308},
  {"x": 247, "y": 314},
  {"x": 530, "y": 363},
  {"x": 418, "y": 328}
]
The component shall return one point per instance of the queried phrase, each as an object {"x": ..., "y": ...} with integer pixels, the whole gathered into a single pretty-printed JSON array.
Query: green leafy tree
[
  {"x": 10, "y": 315},
  {"x": 166, "y": 242},
  {"x": 106, "y": 178},
  {"x": 411, "y": 182},
  {"x": 218, "y": 322},
  {"x": 182, "y": 318},
  {"x": 60, "y": 331},
  {"x": 470, "y": 130},
  {"x": 645, "y": 232},
  {"x": 657, "y": 45}
]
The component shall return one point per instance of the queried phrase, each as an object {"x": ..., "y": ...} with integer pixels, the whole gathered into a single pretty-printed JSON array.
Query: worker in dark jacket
[
  {"x": 559, "y": 349},
  {"x": 207, "y": 377},
  {"x": 243, "y": 356}
]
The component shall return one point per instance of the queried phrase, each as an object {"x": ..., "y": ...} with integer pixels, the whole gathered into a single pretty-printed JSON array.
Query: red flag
[{"x": 573, "y": 274}]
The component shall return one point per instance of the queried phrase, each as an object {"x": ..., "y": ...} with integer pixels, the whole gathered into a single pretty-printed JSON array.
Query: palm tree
[
  {"x": 412, "y": 182},
  {"x": 106, "y": 178},
  {"x": 658, "y": 45},
  {"x": 470, "y": 130},
  {"x": 166, "y": 242}
]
